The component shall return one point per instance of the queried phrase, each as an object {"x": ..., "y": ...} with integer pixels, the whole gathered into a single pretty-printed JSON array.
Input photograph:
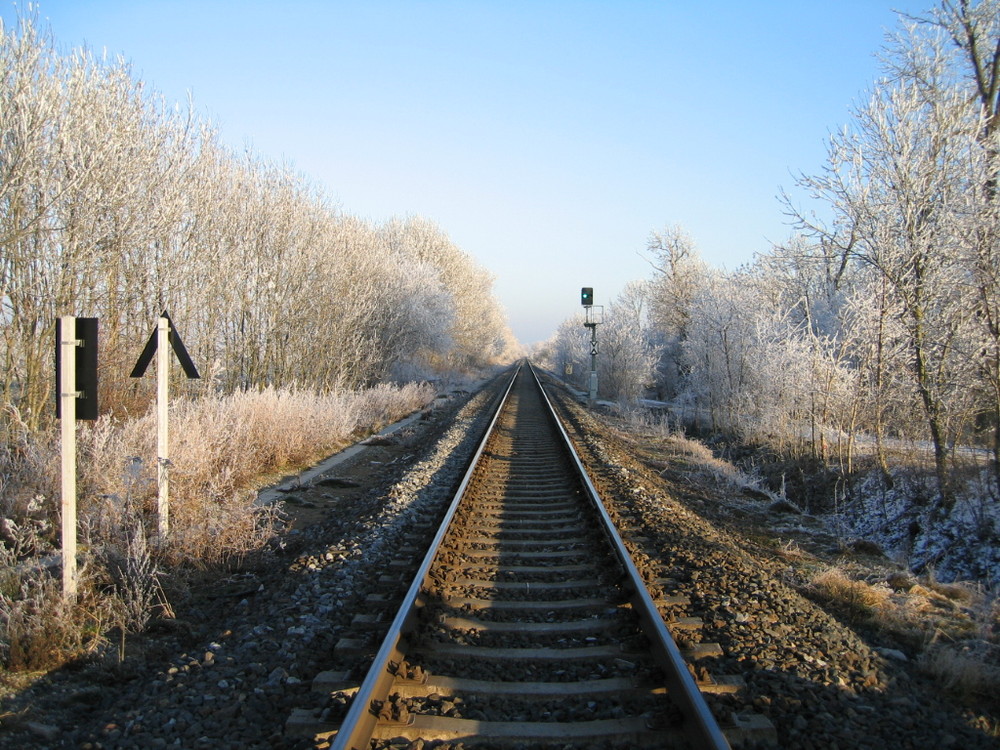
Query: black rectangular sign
[{"x": 85, "y": 370}]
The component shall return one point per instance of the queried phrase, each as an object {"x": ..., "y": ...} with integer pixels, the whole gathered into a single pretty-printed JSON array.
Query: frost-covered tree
[
  {"x": 907, "y": 184},
  {"x": 477, "y": 325},
  {"x": 626, "y": 361},
  {"x": 678, "y": 275},
  {"x": 806, "y": 280},
  {"x": 115, "y": 205},
  {"x": 568, "y": 351},
  {"x": 974, "y": 31}
]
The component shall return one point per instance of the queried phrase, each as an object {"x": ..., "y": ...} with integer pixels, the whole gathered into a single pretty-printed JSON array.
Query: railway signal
[{"x": 594, "y": 313}]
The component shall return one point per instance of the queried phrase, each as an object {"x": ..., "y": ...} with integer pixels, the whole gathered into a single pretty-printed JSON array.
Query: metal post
[
  {"x": 162, "y": 428},
  {"x": 67, "y": 397},
  {"x": 593, "y": 362},
  {"x": 595, "y": 315}
]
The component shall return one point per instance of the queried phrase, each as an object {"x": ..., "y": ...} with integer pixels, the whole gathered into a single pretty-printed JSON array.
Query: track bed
[{"x": 528, "y": 628}]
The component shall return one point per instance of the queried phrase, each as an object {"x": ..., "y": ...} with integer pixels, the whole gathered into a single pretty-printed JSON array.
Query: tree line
[
  {"x": 880, "y": 318},
  {"x": 117, "y": 204}
]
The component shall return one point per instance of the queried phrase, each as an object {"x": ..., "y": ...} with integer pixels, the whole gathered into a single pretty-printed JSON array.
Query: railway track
[{"x": 527, "y": 624}]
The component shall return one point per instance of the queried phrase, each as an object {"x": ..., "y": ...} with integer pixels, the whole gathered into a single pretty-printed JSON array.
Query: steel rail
[
  {"x": 360, "y": 721},
  {"x": 683, "y": 688}
]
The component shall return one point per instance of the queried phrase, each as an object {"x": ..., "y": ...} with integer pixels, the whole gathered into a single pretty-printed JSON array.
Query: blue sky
[{"x": 547, "y": 138}]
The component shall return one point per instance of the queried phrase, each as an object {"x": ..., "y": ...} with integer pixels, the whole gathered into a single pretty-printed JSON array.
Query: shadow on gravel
[{"x": 809, "y": 714}]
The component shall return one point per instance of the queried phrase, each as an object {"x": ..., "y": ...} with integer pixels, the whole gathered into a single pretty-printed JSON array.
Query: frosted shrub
[
  {"x": 29, "y": 475},
  {"x": 125, "y": 560},
  {"x": 221, "y": 448},
  {"x": 40, "y": 628},
  {"x": 383, "y": 404},
  {"x": 718, "y": 469}
]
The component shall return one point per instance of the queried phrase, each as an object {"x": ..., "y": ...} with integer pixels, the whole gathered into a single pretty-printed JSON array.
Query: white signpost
[
  {"x": 160, "y": 342},
  {"x": 163, "y": 425},
  {"x": 67, "y": 404},
  {"x": 76, "y": 398}
]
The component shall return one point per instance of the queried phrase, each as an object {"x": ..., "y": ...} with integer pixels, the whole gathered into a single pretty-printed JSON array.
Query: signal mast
[{"x": 594, "y": 316}]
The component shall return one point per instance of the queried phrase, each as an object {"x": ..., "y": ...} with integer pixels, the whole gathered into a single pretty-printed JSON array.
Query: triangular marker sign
[{"x": 175, "y": 343}]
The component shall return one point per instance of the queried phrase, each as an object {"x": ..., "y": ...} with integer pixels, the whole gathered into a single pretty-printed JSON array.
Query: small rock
[
  {"x": 892, "y": 653},
  {"x": 45, "y": 731},
  {"x": 277, "y": 676},
  {"x": 89, "y": 696}
]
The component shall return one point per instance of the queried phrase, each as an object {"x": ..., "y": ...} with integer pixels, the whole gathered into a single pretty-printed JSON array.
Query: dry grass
[
  {"x": 914, "y": 613},
  {"x": 40, "y": 628},
  {"x": 700, "y": 458},
  {"x": 221, "y": 444},
  {"x": 968, "y": 669},
  {"x": 922, "y": 613},
  {"x": 791, "y": 551},
  {"x": 858, "y": 599},
  {"x": 952, "y": 627},
  {"x": 221, "y": 448}
]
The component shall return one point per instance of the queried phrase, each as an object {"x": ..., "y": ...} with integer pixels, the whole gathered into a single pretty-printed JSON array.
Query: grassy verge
[
  {"x": 220, "y": 448},
  {"x": 952, "y": 630}
]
